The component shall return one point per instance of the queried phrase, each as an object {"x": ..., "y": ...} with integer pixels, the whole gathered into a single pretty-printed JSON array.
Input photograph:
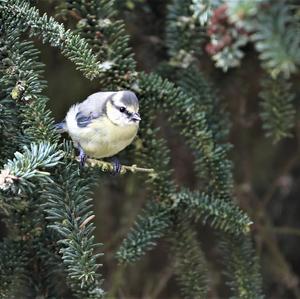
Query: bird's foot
[
  {"x": 82, "y": 157},
  {"x": 117, "y": 166}
]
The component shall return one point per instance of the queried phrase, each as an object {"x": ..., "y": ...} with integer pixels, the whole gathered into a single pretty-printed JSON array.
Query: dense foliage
[{"x": 46, "y": 198}]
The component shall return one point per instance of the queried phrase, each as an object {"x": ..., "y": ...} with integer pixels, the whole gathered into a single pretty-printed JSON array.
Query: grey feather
[
  {"x": 82, "y": 120},
  {"x": 92, "y": 108},
  {"x": 129, "y": 98},
  {"x": 95, "y": 105}
]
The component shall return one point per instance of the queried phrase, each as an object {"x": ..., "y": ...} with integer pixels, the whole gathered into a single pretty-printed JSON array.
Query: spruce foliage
[
  {"x": 243, "y": 274},
  {"x": 273, "y": 28},
  {"x": 34, "y": 145},
  {"x": 189, "y": 261},
  {"x": 181, "y": 22},
  {"x": 277, "y": 111},
  {"x": 68, "y": 208},
  {"x": 46, "y": 198},
  {"x": 277, "y": 39}
]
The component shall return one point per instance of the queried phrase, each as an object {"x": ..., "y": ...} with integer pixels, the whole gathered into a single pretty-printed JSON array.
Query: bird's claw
[
  {"x": 116, "y": 166},
  {"x": 82, "y": 157}
]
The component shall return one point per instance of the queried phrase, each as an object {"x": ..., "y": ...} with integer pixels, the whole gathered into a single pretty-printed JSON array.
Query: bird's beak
[{"x": 136, "y": 117}]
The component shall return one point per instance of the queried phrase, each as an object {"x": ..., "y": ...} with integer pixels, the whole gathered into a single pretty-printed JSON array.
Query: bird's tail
[{"x": 61, "y": 127}]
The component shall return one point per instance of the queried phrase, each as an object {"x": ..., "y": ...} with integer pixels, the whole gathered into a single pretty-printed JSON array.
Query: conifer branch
[
  {"x": 52, "y": 32},
  {"x": 66, "y": 199},
  {"x": 219, "y": 214},
  {"x": 156, "y": 218},
  {"x": 189, "y": 261},
  {"x": 29, "y": 166},
  {"x": 277, "y": 39},
  {"x": 221, "y": 188},
  {"x": 193, "y": 125},
  {"x": 183, "y": 33},
  {"x": 241, "y": 267},
  {"x": 150, "y": 226},
  {"x": 68, "y": 206},
  {"x": 98, "y": 25},
  {"x": 194, "y": 84},
  {"x": 24, "y": 85},
  {"x": 277, "y": 109},
  {"x": 272, "y": 27},
  {"x": 157, "y": 91}
]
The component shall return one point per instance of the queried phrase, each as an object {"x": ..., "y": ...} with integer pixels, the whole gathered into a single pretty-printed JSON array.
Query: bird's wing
[{"x": 93, "y": 107}]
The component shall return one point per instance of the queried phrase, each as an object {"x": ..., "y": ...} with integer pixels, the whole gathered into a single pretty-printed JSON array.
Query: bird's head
[{"x": 122, "y": 109}]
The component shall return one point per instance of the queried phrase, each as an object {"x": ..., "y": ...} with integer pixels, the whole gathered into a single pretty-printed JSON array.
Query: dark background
[{"x": 266, "y": 175}]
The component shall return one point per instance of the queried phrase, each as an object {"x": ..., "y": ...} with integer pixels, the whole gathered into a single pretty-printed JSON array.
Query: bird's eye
[{"x": 122, "y": 109}]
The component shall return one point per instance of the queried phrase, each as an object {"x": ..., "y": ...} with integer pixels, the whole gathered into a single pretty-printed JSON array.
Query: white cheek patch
[
  {"x": 118, "y": 117},
  {"x": 123, "y": 119}
]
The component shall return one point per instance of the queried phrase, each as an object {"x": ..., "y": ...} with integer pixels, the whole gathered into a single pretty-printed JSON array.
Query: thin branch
[
  {"x": 274, "y": 186},
  {"x": 109, "y": 167},
  {"x": 286, "y": 230}
]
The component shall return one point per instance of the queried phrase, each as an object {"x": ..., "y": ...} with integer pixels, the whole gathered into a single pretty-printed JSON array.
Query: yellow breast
[{"x": 102, "y": 138}]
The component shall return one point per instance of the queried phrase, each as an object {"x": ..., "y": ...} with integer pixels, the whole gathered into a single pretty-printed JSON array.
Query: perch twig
[{"x": 109, "y": 167}]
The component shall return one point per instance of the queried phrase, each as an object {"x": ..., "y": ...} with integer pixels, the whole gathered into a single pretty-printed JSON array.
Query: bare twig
[
  {"x": 109, "y": 167},
  {"x": 285, "y": 230},
  {"x": 274, "y": 185}
]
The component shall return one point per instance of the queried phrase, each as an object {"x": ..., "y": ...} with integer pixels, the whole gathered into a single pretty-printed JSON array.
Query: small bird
[{"x": 103, "y": 125}]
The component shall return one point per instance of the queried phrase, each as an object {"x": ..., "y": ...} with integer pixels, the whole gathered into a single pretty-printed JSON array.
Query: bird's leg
[
  {"x": 82, "y": 156},
  {"x": 117, "y": 165}
]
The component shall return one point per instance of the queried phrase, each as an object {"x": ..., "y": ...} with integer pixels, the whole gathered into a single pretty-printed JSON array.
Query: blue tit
[{"x": 104, "y": 124}]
